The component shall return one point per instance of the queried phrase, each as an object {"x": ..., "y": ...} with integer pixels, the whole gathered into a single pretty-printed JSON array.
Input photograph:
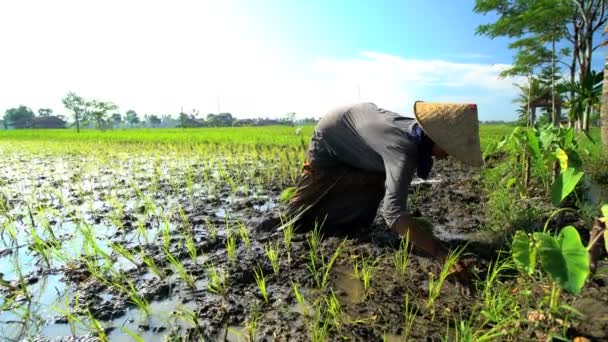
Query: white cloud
[{"x": 156, "y": 57}]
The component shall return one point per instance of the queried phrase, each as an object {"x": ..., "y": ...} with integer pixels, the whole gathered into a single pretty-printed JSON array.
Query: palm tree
[
  {"x": 587, "y": 95},
  {"x": 530, "y": 91}
]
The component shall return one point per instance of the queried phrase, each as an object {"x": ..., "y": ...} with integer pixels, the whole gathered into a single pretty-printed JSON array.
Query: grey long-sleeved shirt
[{"x": 369, "y": 138}]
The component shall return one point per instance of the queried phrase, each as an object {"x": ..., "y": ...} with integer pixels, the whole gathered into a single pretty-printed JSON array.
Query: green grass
[{"x": 265, "y": 136}]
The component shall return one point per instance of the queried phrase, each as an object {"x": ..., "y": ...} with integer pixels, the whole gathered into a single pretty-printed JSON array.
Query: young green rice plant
[
  {"x": 251, "y": 325},
  {"x": 142, "y": 231},
  {"x": 273, "y": 253},
  {"x": 97, "y": 327},
  {"x": 184, "y": 219},
  {"x": 288, "y": 231},
  {"x": 364, "y": 271},
  {"x": 181, "y": 270},
  {"x": 319, "y": 326},
  {"x": 166, "y": 234},
  {"x": 258, "y": 274},
  {"x": 132, "y": 335},
  {"x": 211, "y": 228},
  {"x": 410, "y": 316},
  {"x": 401, "y": 256},
  {"x": 191, "y": 246},
  {"x": 300, "y": 299},
  {"x": 119, "y": 249},
  {"x": 327, "y": 266},
  {"x": 499, "y": 304},
  {"x": 126, "y": 286},
  {"x": 334, "y": 310},
  {"x": 231, "y": 249},
  {"x": 244, "y": 234},
  {"x": 151, "y": 264},
  {"x": 218, "y": 280},
  {"x": 435, "y": 285}
]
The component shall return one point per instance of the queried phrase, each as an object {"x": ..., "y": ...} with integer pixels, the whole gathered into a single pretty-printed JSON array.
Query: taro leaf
[
  {"x": 606, "y": 239},
  {"x": 604, "y": 217},
  {"x": 565, "y": 258},
  {"x": 569, "y": 138},
  {"x": 523, "y": 251},
  {"x": 564, "y": 184},
  {"x": 562, "y": 156},
  {"x": 533, "y": 144}
]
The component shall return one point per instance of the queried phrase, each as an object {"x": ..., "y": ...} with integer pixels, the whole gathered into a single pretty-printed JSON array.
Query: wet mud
[{"x": 452, "y": 199}]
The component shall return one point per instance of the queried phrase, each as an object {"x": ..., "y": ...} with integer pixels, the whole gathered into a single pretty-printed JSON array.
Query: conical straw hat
[{"x": 452, "y": 126}]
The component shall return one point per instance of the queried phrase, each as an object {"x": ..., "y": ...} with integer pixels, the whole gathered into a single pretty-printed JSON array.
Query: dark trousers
[{"x": 341, "y": 198}]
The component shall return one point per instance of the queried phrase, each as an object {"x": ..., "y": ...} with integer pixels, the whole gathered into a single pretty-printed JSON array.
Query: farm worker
[{"x": 362, "y": 155}]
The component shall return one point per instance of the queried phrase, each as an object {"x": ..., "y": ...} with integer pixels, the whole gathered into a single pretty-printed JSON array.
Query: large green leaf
[
  {"x": 565, "y": 258},
  {"x": 523, "y": 251},
  {"x": 564, "y": 184},
  {"x": 533, "y": 145}
]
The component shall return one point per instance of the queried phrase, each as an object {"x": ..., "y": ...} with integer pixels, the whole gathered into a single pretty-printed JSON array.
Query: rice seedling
[
  {"x": 181, "y": 270},
  {"x": 261, "y": 283},
  {"x": 231, "y": 249},
  {"x": 499, "y": 305},
  {"x": 401, "y": 256},
  {"x": 244, "y": 234},
  {"x": 410, "y": 317},
  {"x": 132, "y": 335},
  {"x": 118, "y": 248},
  {"x": 435, "y": 285},
  {"x": 218, "y": 280},
  {"x": 166, "y": 234},
  {"x": 319, "y": 326},
  {"x": 273, "y": 254},
  {"x": 327, "y": 266},
  {"x": 97, "y": 327},
  {"x": 300, "y": 299},
  {"x": 251, "y": 325},
  {"x": 288, "y": 231},
  {"x": 191, "y": 246},
  {"x": 211, "y": 228},
  {"x": 364, "y": 271},
  {"x": 151, "y": 264},
  {"x": 334, "y": 310}
]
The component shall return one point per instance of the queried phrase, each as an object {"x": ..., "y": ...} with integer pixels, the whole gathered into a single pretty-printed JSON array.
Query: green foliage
[
  {"x": 523, "y": 250},
  {"x": 564, "y": 258},
  {"x": 287, "y": 194},
  {"x": 564, "y": 184},
  {"x": 18, "y": 117}
]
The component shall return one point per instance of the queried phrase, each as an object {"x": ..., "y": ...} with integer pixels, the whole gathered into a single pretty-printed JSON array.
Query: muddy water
[{"x": 451, "y": 199}]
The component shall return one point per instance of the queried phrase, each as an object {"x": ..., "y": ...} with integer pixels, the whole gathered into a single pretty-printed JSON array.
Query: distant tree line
[{"x": 105, "y": 115}]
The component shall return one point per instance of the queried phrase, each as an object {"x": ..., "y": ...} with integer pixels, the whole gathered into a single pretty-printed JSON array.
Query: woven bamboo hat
[{"x": 452, "y": 126}]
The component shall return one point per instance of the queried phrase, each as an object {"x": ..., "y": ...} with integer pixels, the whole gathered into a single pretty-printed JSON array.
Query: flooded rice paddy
[{"x": 128, "y": 243}]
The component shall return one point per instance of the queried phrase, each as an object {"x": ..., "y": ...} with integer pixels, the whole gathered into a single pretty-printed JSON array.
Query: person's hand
[{"x": 462, "y": 279}]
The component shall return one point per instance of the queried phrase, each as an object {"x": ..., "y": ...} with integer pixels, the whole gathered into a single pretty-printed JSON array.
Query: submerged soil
[{"x": 452, "y": 199}]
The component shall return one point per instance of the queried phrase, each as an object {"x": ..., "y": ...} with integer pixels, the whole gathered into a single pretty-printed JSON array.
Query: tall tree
[
  {"x": 604, "y": 107},
  {"x": 153, "y": 120},
  {"x": 20, "y": 117},
  {"x": 99, "y": 111},
  {"x": 131, "y": 117},
  {"x": 549, "y": 22},
  {"x": 116, "y": 119},
  {"x": 45, "y": 112},
  {"x": 77, "y": 105}
]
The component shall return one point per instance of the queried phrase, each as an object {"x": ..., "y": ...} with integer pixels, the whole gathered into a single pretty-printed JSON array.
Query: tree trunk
[
  {"x": 604, "y": 109},
  {"x": 77, "y": 123},
  {"x": 553, "y": 106}
]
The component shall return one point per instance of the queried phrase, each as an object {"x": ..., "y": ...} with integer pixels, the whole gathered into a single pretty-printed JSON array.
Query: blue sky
[{"x": 252, "y": 58}]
